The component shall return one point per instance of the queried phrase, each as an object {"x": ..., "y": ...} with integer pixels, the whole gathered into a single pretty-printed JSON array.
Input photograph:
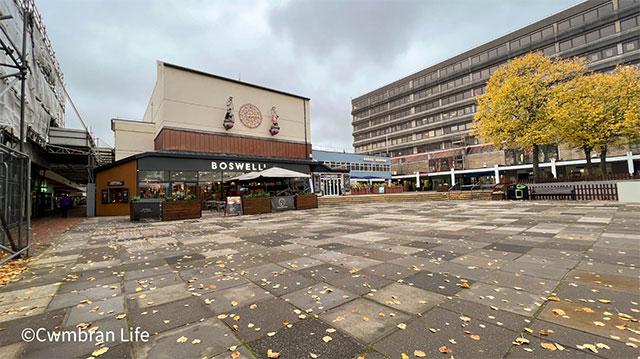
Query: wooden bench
[{"x": 555, "y": 192}]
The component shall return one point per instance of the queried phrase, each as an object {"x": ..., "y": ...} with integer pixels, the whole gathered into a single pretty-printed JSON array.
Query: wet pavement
[{"x": 394, "y": 280}]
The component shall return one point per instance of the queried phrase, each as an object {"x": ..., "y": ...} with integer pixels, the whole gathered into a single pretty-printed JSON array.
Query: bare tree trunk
[
  {"x": 536, "y": 164},
  {"x": 587, "y": 156},
  {"x": 603, "y": 160}
]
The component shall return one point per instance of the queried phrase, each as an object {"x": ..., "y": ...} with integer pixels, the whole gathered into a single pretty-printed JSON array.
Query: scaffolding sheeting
[{"x": 44, "y": 91}]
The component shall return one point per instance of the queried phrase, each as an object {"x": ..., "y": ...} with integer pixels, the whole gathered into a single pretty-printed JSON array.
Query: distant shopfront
[{"x": 156, "y": 175}]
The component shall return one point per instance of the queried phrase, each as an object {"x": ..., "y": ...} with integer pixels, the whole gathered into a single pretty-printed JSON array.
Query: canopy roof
[{"x": 273, "y": 172}]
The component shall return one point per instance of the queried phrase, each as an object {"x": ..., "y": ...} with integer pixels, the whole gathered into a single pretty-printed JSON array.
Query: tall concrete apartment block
[{"x": 431, "y": 111}]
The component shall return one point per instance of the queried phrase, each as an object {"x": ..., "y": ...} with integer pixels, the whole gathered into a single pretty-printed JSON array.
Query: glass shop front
[{"x": 211, "y": 179}]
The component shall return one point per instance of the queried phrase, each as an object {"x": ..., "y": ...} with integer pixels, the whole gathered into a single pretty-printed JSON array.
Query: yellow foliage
[
  {"x": 515, "y": 111},
  {"x": 598, "y": 110}
]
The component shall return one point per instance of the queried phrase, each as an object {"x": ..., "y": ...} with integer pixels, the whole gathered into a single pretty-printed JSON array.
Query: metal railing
[{"x": 15, "y": 203}]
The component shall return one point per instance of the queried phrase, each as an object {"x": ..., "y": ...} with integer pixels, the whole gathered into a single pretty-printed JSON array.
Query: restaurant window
[
  {"x": 153, "y": 184},
  {"x": 115, "y": 195}
]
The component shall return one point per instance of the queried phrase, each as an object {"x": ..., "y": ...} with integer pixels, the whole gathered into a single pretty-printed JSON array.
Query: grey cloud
[{"x": 326, "y": 50}]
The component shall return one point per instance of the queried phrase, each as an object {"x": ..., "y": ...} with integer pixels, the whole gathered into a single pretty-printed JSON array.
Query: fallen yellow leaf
[{"x": 100, "y": 351}]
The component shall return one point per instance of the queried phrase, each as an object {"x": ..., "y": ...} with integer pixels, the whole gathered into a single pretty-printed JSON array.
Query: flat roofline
[
  {"x": 114, "y": 120},
  {"x": 178, "y": 67},
  {"x": 492, "y": 43},
  {"x": 206, "y": 156}
]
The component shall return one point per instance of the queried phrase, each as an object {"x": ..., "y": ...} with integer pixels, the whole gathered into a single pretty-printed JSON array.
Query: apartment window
[
  {"x": 578, "y": 41},
  {"x": 548, "y": 32},
  {"x": 564, "y": 25},
  {"x": 536, "y": 36},
  {"x": 595, "y": 56},
  {"x": 605, "y": 10},
  {"x": 607, "y": 30},
  {"x": 629, "y": 23},
  {"x": 610, "y": 52},
  {"x": 591, "y": 15},
  {"x": 630, "y": 46},
  {"x": 576, "y": 21},
  {"x": 502, "y": 50},
  {"x": 565, "y": 45},
  {"x": 549, "y": 50},
  {"x": 593, "y": 36}
]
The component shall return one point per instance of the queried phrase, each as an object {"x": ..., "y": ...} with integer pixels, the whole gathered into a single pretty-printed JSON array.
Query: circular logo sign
[{"x": 250, "y": 115}]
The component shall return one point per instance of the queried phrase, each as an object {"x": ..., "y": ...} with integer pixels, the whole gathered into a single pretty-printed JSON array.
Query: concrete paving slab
[
  {"x": 211, "y": 335},
  {"x": 261, "y": 318},
  {"x": 358, "y": 283},
  {"x": 361, "y": 319},
  {"x": 406, "y": 298},
  {"x": 168, "y": 316},
  {"x": 438, "y": 327},
  {"x": 307, "y": 337},
  {"x": 508, "y": 299},
  {"x": 318, "y": 298}
]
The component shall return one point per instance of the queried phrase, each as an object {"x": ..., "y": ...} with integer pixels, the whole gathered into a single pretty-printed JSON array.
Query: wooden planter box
[
  {"x": 307, "y": 201},
  {"x": 174, "y": 210},
  {"x": 395, "y": 189},
  {"x": 497, "y": 196},
  {"x": 359, "y": 191},
  {"x": 256, "y": 205},
  {"x": 145, "y": 209}
]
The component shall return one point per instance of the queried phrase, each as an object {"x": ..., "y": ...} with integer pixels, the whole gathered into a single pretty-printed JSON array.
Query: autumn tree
[
  {"x": 599, "y": 111},
  {"x": 514, "y": 112}
]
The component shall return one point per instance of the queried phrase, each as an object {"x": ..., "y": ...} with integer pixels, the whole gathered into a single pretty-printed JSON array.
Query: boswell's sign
[{"x": 237, "y": 166}]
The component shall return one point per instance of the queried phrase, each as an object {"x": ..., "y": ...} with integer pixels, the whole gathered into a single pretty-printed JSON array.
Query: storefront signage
[
  {"x": 370, "y": 159},
  {"x": 237, "y": 166},
  {"x": 282, "y": 203},
  {"x": 115, "y": 183},
  {"x": 147, "y": 209},
  {"x": 233, "y": 206}
]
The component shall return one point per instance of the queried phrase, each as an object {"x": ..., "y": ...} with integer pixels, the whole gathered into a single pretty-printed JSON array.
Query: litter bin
[{"x": 517, "y": 192}]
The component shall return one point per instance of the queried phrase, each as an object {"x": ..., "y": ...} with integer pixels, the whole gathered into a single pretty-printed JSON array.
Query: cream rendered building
[{"x": 187, "y": 109}]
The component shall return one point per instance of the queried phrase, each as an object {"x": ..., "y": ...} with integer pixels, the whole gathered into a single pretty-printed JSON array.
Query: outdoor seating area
[{"x": 270, "y": 190}]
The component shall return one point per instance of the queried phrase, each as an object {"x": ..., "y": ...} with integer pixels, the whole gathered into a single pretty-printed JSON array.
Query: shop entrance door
[{"x": 330, "y": 185}]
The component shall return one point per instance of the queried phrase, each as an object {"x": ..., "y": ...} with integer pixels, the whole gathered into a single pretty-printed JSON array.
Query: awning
[{"x": 273, "y": 172}]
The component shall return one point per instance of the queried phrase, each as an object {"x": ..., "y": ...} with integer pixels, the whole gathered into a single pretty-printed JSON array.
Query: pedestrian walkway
[
  {"x": 469, "y": 279},
  {"x": 45, "y": 229}
]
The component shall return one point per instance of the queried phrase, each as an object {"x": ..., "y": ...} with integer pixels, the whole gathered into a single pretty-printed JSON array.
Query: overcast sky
[{"x": 327, "y": 50}]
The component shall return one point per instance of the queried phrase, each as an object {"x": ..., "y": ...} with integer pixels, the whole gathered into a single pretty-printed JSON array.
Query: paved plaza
[{"x": 389, "y": 280}]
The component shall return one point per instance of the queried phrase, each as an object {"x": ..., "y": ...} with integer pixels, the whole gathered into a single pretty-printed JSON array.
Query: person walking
[{"x": 65, "y": 203}]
